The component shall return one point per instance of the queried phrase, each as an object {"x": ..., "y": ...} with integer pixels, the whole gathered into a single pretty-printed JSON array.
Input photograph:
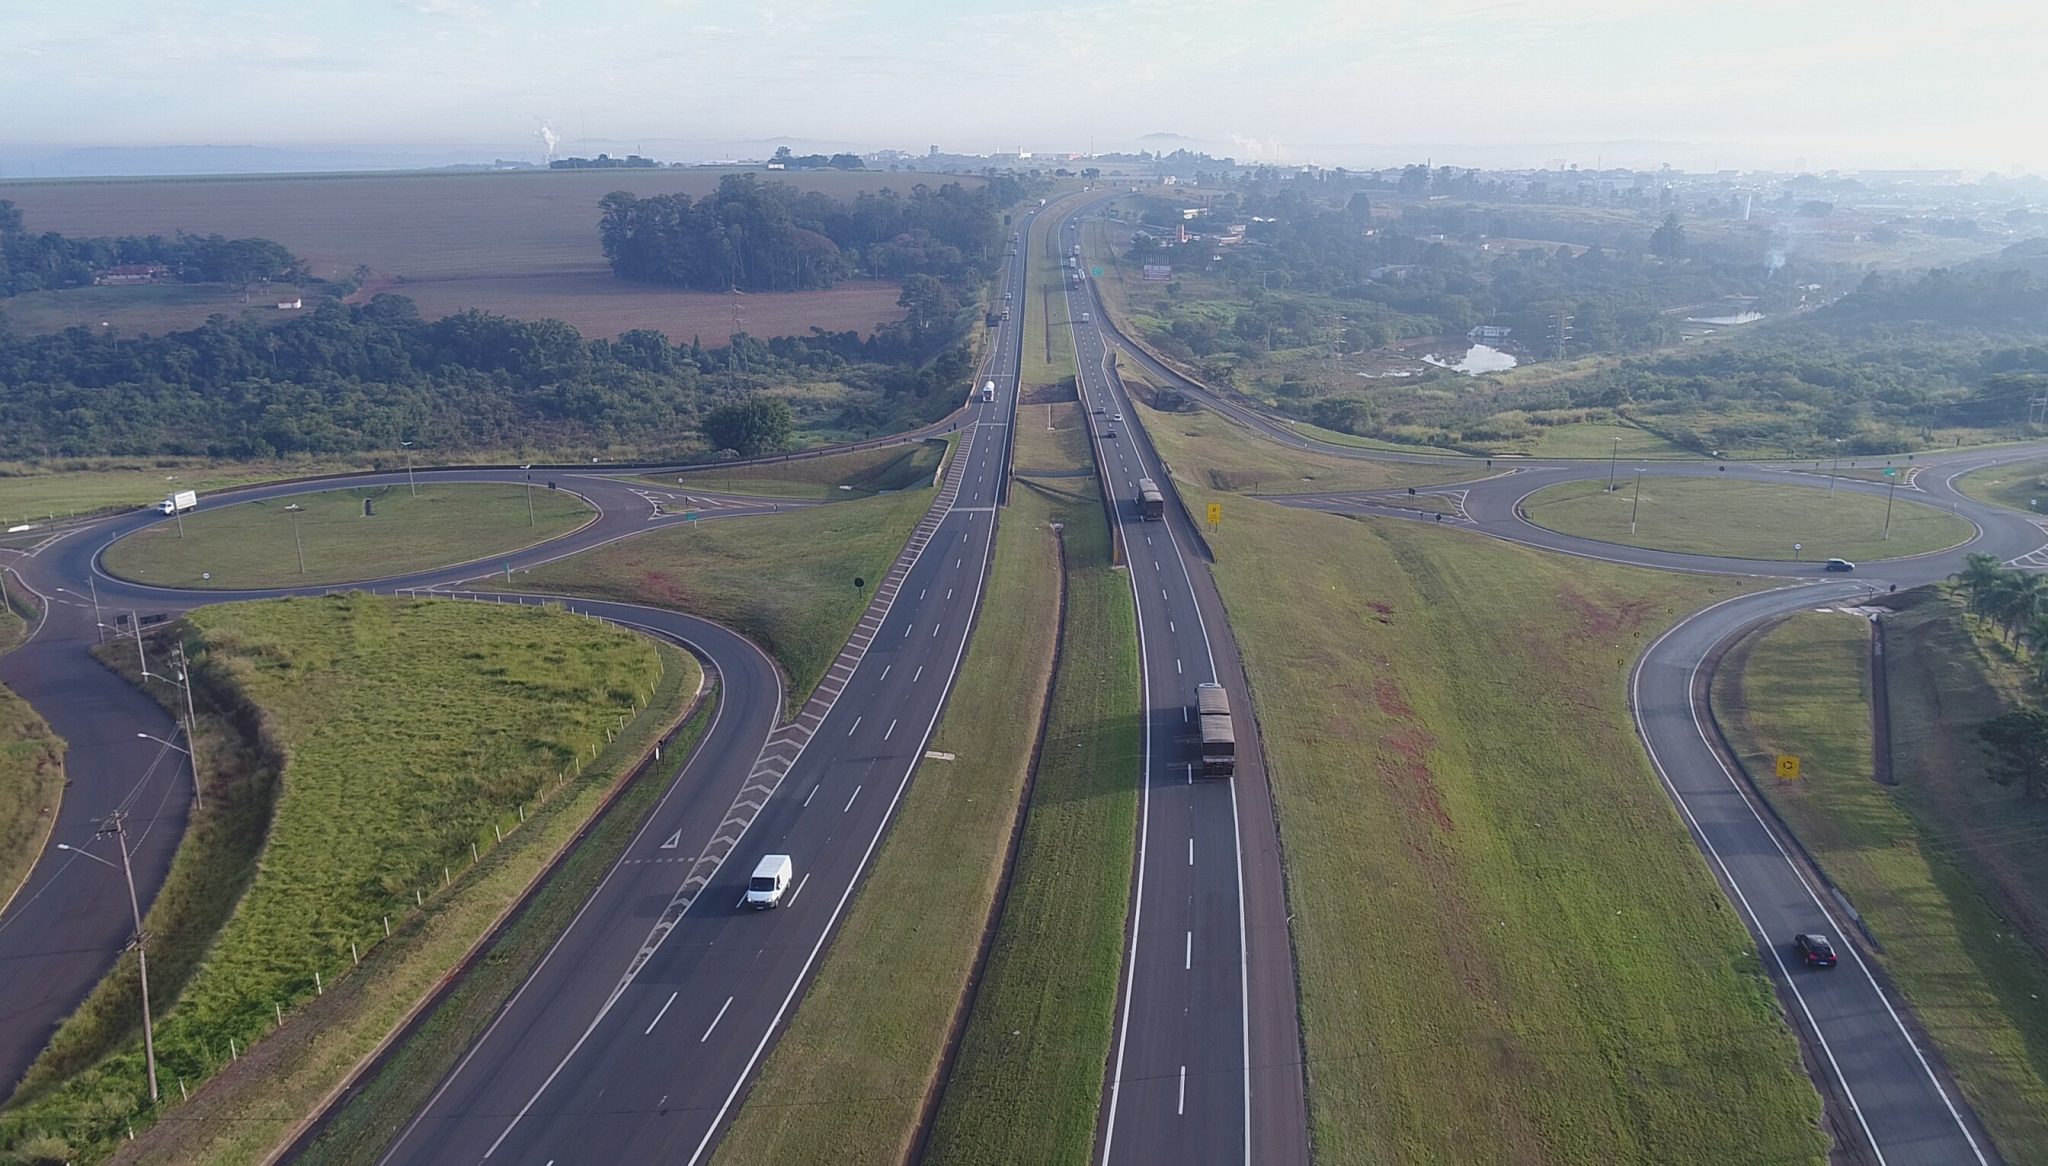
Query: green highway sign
[{"x": 1096, "y": 272}]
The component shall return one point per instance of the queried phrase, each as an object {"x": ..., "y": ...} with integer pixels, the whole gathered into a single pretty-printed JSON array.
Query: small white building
[{"x": 291, "y": 305}]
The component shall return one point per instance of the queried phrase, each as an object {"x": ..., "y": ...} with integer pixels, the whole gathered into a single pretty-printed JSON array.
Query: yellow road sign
[
  {"x": 1215, "y": 513},
  {"x": 1788, "y": 767}
]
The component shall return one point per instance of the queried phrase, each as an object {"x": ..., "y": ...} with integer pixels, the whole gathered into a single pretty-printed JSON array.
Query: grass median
[
  {"x": 1507, "y": 947},
  {"x": 1744, "y": 519},
  {"x": 259, "y": 544},
  {"x": 31, "y": 779},
  {"x": 1905, "y": 854},
  {"x": 848, "y": 1080},
  {"x": 417, "y": 734},
  {"x": 2018, "y": 485},
  {"x": 783, "y": 580},
  {"x": 860, "y": 473}
]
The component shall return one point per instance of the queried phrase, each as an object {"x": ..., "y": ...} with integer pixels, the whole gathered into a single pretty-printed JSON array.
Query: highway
[
  {"x": 1898, "y": 1099},
  {"x": 1207, "y": 1063}
]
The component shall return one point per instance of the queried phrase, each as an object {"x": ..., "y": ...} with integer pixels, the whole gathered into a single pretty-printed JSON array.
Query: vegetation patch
[
  {"x": 1222, "y": 455},
  {"x": 344, "y": 536},
  {"x": 783, "y": 580},
  {"x": 417, "y": 734},
  {"x": 848, "y": 1079},
  {"x": 1524, "y": 957},
  {"x": 1902, "y": 855},
  {"x": 31, "y": 784},
  {"x": 1744, "y": 519},
  {"x": 860, "y": 473},
  {"x": 39, "y": 492},
  {"x": 2020, "y": 485}
]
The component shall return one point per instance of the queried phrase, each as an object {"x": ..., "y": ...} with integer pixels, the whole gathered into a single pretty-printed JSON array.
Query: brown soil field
[{"x": 500, "y": 241}]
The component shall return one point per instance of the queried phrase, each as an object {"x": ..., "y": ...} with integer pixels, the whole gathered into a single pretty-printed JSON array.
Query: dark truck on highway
[
  {"x": 1219, "y": 736},
  {"x": 1151, "y": 503}
]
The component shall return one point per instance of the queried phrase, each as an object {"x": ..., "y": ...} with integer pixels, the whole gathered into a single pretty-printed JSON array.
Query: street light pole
[
  {"x": 1837, "y": 465},
  {"x": 409, "y": 483},
  {"x": 1612, "y": 454},
  {"x": 529, "y": 495},
  {"x": 118, "y": 828},
  {"x": 1638, "y": 503},
  {"x": 191, "y": 726},
  {"x": 1890, "y": 493},
  {"x": 294, "y": 509}
]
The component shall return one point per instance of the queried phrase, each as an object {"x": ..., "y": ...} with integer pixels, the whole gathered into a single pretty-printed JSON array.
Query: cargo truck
[
  {"x": 988, "y": 391},
  {"x": 1151, "y": 503},
  {"x": 179, "y": 503},
  {"x": 1219, "y": 736}
]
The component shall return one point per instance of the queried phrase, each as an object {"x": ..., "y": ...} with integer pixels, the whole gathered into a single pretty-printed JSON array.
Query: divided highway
[{"x": 1207, "y": 1063}]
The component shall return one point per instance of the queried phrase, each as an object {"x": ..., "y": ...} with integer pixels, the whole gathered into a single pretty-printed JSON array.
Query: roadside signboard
[{"x": 1788, "y": 766}]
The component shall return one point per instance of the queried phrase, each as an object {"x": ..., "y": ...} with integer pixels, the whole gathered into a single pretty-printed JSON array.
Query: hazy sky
[{"x": 1873, "y": 82}]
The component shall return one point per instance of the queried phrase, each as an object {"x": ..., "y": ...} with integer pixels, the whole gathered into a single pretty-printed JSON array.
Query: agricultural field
[
  {"x": 783, "y": 580},
  {"x": 1907, "y": 855},
  {"x": 1517, "y": 986},
  {"x": 1744, "y": 519},
  {"x": 860, "y": 473},
  {"x": 251, "y": 545},
  {"x": 404, "y": 739},
  {"x": 523, "y": 244}
]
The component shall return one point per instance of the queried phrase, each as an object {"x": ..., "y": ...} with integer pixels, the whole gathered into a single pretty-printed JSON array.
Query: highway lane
[
  {"x": 1898, "y": 1098},
  {"x": 62, "y": 932},
  {"x": 1206, "y": 1065},
  {"x": 639, "y": 1040}
]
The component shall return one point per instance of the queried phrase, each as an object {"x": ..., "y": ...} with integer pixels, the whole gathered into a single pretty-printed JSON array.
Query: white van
[{"x": 771, "y": 879}]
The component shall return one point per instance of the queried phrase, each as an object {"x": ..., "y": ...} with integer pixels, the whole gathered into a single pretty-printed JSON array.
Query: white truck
[
  {"x": 771, "y": 879},
  {"x": 988, "y": 391},
  {"x": 179, "y": 502}
]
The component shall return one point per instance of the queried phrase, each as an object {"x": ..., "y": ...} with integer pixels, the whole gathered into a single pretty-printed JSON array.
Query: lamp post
[
  {"x": 177, "y": 513},
  {"x": 1891, "y": 491},
  {"x": 183, "y": 677},
  {"x": 529, "y": 494},
  {"x": 1637, "y": 505},
  {"x": 116, "y": 826},
  {"x": 1835, "y": 466},
  {"x": 409, "y": 483},
  {"x": 294, "y": 509},
  {"x": 1613, "y": 454}
]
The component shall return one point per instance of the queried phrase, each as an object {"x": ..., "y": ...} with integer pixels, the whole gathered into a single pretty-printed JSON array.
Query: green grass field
[
  {"x": 858, "y": 474},
  {"x": 1203, "y": 447},
  {"x": 251, "y": 544},
  {"x": 847, "y": 1080},
  {"x": 1597, "y": 440},
  {"x": 1744, "y": 519},
  {"x": 31, "y": 780},
  {"x": 1507, "y": 947},
  {"x": 784, "y": 580},
  {"x": 414, "y": 733},
  {"x": 1803, "y": 687},
  {"x": 36, "y": 493},
  {"x": 2019, "y": 485}
]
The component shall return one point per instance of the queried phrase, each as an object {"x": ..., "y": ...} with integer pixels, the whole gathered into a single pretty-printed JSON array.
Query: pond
[{"x": 1480, "y": 358}]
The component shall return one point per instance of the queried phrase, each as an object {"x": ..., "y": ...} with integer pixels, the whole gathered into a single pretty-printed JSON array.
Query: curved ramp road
[
  {"x": 71, "y": 919},
  {"x": 1206, "y": 1065},
  {"x": 1899, "y": 1099}
]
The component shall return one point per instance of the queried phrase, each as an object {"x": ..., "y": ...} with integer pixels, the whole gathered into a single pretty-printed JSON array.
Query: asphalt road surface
[
  {"x": 1207, "y": 1063},
  {"x": 1899, "y": 1099}
]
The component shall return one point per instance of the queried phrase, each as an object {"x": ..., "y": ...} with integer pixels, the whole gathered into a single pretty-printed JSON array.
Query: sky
[{"x": 1358, "y": 82}]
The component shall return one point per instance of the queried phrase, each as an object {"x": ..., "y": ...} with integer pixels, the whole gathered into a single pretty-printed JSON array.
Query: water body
[{"x": 1480, "y": 358}]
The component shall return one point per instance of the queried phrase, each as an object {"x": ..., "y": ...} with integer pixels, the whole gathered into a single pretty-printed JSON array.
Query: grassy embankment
[
  {"x": 252, "y": 544},
  {"x": 31, "y": 772},
  {"x": 1744, "y": 519},
  {"x": 1544, "y": 969},
  {"x": 783, "y": 580},
  {"x": 1905, "y": 854},
  {"x": 37, "y": 493},
  {"x": 2017, "y": 485},
  {"x": 401, "y": 770},
  {"x": 1028, "y": 1079},
  {"x": 859, "y": 474}
]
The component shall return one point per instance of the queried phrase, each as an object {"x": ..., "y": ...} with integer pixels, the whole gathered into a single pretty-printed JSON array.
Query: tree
[
  {"x": 750, "y": 427},
  {"x": 2018, "y": 741},
  {"x": 1979, "y": 576},
  {"x": 1669, "y": 239}
]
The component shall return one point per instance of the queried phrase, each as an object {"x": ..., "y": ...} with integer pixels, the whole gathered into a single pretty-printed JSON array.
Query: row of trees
[
  {"x": 36, "y": 262},
  {"x": 340, "y": 379},
  {"x": 767, "y": 236},
  {"x": 2015, "y": 604}
]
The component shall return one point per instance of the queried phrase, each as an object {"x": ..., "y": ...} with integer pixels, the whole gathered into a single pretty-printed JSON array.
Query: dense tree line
[
  {"x": 352, "y": 378},
  {"x": 36, "y": 262},
  {"x": 767, "y": 236}
]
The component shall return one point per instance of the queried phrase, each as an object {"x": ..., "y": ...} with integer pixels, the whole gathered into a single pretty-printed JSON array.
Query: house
[
  {"x": 128, "y": 274},
  {"x": 1158, "y": 272},
  {"x": 1488, "y": 332},
  {"x": 291, "y": 305}
]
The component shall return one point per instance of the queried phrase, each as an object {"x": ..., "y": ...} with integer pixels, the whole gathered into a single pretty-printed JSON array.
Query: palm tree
[
  {"x": 2037, "y": 643},
  {"x": 2016, "y": 600},
  {"x": 1980, "y": 574}
]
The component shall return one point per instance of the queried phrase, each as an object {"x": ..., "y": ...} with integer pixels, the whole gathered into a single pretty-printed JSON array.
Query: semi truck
[
  {"x": 1151, "y": 503},
  {"x": 1219, "y": 736},
  {"x": 179, "y": 502},
  {"x": 988, "y": 391}
]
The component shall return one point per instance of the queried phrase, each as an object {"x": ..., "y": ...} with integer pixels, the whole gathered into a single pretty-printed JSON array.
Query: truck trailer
[
  {"x": 1152, "y": 507},
  {"x": 988, "y": 391},
  {"x": 1219, "y": 735},
  {"x": 179, "y": 502}
]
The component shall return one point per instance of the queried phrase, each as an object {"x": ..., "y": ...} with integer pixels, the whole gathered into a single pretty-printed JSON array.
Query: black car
[{"x": 1815, "y": 950}]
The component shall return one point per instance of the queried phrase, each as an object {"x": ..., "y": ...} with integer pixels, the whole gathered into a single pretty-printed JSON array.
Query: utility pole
[
  {"x": 1637, "y": 505},
  {"x": 116, "y": 825},
  {"x": 99, "y": 622}
]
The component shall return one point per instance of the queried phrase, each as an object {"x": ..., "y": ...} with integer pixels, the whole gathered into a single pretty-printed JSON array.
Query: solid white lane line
[
  {"x": 891, "y": 731},
  {"x": 856, "y": 725},
  {"x": 916, "y": 674},
  {"x": 1187, "y": 961},
  {"x": 664, "y": 1012},
  {"x": 799, "y": 887},
  {"x": 1181, "y": 1107},
  {"x": 715, "y": 1020},
  {"x": 850, "y": 801},
  {"x": 809, "y": 796}
]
